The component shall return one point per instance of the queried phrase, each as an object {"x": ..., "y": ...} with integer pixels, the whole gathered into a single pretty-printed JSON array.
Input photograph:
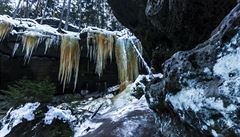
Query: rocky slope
[
  {"x": 112, "y": 116},
  {"x": 167, "y": 26},
  {"x": 199, "y": 92}
]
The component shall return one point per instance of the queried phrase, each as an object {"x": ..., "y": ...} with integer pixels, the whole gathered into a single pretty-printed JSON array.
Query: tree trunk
[
  {"x": 44, "y": 11},
  {"x": 80, "y": 14},
  {"x": 16, "y": 10},
  {"x": 37, "y": 8},
  {"x": 60, "y": 23},
  {"x": 68, "y": 12},
  {"x": 27, "y": 9}
]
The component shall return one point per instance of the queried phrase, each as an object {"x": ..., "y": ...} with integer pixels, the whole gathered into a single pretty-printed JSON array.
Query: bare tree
[
  {"x": 26, "y": 11},
  {"x": 68, "y": 12},
  {"x": 80, "y": 15},
  {"x": 44, "y": 11},
  {"x": 37, "y": 8},
  {"x": 60, "y": 23},
  {"x": 17, "y": 8}
]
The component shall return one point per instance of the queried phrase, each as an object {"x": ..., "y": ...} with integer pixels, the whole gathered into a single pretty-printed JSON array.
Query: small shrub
[{"x": 25, "y": 91}]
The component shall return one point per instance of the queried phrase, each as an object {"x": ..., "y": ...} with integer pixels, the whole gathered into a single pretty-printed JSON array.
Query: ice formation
[
  {"x": 5, "y": 28},
  {"x": 102, "y": 45},
  {"x": 100, "y": 49},
  {"x": 69, "y": 59},
  {"x": 127, "y": 61},
  {"x": 30, "y": 40}
]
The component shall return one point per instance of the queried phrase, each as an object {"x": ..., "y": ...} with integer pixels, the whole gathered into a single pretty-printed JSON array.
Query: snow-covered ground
[{"x": 91, "y": 113}]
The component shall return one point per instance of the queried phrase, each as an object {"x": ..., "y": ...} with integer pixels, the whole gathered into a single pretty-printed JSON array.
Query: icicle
[
  {"x": 69, "y": 60},
  {"x": 16, "y": 45},
  {"x": 127, "y": 61},
  {"x": 101, "y": 44},
  {"x": 100, "y": 49},
  {"x": 132, "y": 61},
  {"x": 30, "y": 41},
  {"x": 91, "y": 48},
  {"x": 5, "y": 28},
  {"x": 104, "y": 50},
  {"x": 110, "y": 46},
  {"x": 48, "y": 43},
  {"x": 121, "y": 60}
]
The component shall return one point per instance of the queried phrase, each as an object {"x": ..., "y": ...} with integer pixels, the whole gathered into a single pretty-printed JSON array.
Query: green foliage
[{"x": 30, "y": 91}]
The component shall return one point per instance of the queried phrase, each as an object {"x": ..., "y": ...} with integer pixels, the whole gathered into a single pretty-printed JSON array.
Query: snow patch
[
  {"x": 195, "y": 99},
  {"x": 56, "y": 113},
  {"x": 228, "y": 65},
  {"x": 121, "y": 111},
  {"x": 15, "y": 117}
]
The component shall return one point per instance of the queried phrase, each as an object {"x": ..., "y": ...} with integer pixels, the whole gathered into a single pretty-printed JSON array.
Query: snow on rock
[
  {"x": 124, "y": 102},
  {"x": 141, "y": 77},
  {"x": 79, "y": 125},
  {"x": 57, "y": 113},
  {"x": 85, "y": 127},
  {"x": 33, "y": 26},
  {"x": 107, "y": 107},
  {"x": 121, "y": 110},
  {"x": 87, "y": 116},
  {"x": 229, "y": 64},
  {"x": 15, "y": 117},
  {"x": 196, "y": 99}
]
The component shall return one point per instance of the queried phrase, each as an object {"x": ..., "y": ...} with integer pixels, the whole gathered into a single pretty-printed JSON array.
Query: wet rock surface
[
  {"x": 167, "y": 26},
  {"x": 199, "y": 92}
]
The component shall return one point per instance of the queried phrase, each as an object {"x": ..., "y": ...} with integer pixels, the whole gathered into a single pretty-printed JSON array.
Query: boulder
[{"x": 199, "y": 92}]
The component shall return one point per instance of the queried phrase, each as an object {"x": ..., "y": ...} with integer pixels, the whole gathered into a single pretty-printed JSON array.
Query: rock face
[
  {"x": 45, "y": 66},
  {"x": 199, "y": 92},
  {"x": 167, "y": 26}
]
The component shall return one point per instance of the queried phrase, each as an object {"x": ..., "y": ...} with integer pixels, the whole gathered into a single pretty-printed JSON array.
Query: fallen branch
[{"x": 95, "y": 113}]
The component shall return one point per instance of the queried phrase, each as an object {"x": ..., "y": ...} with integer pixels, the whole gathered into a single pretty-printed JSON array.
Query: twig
[{"x": 94, "y": 114}]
